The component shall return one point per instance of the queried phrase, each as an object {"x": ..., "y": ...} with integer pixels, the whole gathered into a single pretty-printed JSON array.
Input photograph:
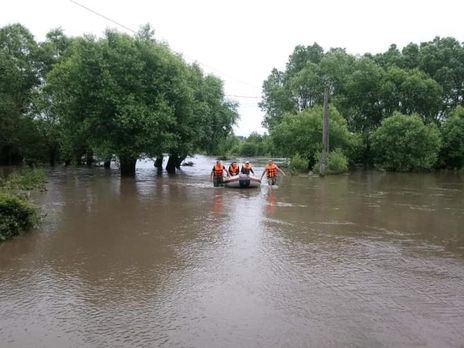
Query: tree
[
  {"x": 19, "y": 74},
  {"x": 452, "y": 152},
  {"x": 301, "y": 133},
  {"x": 213, "y": 115},
  {"x": 409, "y": 92},
  {"x": 121, "y": 95},
  {"x": 405, "y": 143}
]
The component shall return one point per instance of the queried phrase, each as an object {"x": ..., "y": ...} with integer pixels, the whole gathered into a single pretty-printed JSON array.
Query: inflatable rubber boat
[{"x": 242, "y": 181}]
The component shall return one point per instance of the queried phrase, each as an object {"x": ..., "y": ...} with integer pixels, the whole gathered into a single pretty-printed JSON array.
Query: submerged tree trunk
[
  {"x": 53, "y": 155},
  {"x": 89, "y": 158},
  {"x": 107, "y": 164},
  {"x": 172, "y": 163},
  {"x": 180, "y": 160},
  {"x": 128, "y": 166},
  {"x": 67, "y": 162},
  {"x": 159, "y": 162}
]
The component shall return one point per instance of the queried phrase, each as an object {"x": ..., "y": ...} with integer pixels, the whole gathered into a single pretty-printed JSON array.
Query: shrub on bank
[
  {"x": 16, "y": 215},
  {"x": 337, "y": 163},
  {"x": 298, "y": 165},
  {"x": 405, "y": 143}
]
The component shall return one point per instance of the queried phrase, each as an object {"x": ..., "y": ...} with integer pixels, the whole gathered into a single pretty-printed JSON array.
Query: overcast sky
[{"x": 241, "y": 41}]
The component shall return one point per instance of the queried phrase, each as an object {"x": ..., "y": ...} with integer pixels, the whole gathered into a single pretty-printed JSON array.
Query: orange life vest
[
  {"x": 218, "y": 169},
  {"x": 271, "y": 170},
  {"x": 233, "y": 170},
  {"x": 246, "y": 168}
]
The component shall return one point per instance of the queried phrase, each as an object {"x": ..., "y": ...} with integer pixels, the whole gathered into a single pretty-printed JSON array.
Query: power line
[
  {"x": 135, "y": 32},
  {"x": 103, "y": 16}
]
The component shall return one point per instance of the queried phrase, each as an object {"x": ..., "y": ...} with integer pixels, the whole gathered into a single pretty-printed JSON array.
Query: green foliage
[
  {"x": 133, "y": 97},
  {"x": 16, "y": 215},
  {"x": 19, "y": 74},
  {"x": 24, "y": 180},
  {"x": 452, "y": 152},
  {"x": 298, "y": 165},
  {"x": 118, "y": 95},
  {"x": 337, "y": 163},
  {"x": 405, "y": 143},
  {"x": 301, "y": 133},
  {"x": 255, "y": 145}
]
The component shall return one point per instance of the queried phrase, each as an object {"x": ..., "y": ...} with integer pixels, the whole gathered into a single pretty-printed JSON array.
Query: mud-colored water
[{"x": 365, "y": 260}]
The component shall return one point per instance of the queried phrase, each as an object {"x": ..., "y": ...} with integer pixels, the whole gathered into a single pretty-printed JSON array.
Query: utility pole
[{"x": 325, "y": 133}]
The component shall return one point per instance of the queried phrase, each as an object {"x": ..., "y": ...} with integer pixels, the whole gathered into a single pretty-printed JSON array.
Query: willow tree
[{"x": 122, "y": 95}]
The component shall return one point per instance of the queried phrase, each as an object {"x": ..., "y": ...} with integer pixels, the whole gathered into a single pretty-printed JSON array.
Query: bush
[
  {"x": 302, "y": 133},
  {"x": 452, "y": 152},
  {"x": 405, "y": 143},
  {"x": 298, "y": 165},
  {"x": 337, "y": 163},
  {"x": 16, "y": 215}
]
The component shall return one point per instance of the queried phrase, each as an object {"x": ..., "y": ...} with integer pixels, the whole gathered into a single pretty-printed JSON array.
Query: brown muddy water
[{"x": 365, "y": 260}]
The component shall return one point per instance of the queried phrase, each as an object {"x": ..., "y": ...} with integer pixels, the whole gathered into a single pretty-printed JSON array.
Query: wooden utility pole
[{"x": 325, "y": 133}]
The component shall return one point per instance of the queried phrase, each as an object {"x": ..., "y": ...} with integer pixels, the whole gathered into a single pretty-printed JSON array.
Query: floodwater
[{"x": 364, "y": 260}]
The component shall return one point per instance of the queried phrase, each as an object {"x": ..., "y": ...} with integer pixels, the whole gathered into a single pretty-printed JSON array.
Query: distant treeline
[
  {"x": 74, "y": 99},
  {"x": 400, "y": 110}
]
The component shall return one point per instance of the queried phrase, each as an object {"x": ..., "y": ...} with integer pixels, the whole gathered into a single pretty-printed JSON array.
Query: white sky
[{"x": 241, "y": 41}]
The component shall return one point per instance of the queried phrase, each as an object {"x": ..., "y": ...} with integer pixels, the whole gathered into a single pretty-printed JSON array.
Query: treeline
[
  {"x": 400, "y": 110},
  {"x": 252, "y": 146},
  {"x": 74, "y": 99}
]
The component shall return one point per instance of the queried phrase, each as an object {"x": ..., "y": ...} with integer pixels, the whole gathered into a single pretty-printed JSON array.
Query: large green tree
[{"x": 19, "y": 75}]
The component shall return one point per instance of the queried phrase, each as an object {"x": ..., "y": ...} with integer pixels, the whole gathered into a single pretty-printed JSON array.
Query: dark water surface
[{"x": 367, "y": 259}]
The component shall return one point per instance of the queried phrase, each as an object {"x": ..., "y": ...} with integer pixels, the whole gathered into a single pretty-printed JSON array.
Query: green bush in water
[
  {"x": 298, "y": 165},
  {"x": 452, "y": 153},
  {"x": 337, "y": 163},
  {"x": 16, "y": 215},
  {"x": 405, "y": 143}
]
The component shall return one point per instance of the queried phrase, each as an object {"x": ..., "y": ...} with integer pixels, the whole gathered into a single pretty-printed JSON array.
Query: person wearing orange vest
[
  {"x": 234, "y": 169},
  {"x": 246, "y": 168},
  {"x": 217, "y": 174},
  {"x": 271, "y": 170}
]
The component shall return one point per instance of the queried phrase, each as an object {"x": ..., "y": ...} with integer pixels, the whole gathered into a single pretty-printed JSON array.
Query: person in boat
[
  {"x": 217, "y": 174},
  {"x": 247, "y": 169},
  {"x": 234, "y": 169},
  {"x": 271, "y": 170}
]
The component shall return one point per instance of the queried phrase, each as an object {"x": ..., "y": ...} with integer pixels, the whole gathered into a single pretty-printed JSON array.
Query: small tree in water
[{"x": 405, "y": 143}]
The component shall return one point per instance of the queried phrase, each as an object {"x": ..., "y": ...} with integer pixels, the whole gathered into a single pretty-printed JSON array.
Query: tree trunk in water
[
  {"x": 180, "y": 160},
  {"x": 53, "y": 154},
  {"x": 107, "y": 164},
  {"x": 67, "y": 163},
  {"x": 89, "y": 158},
  {"x": 128, "y": 166},
  {"x": 159, "y": 162},
  {"x": 172, "y": 164},
  {"x": 325, "y": 134}
]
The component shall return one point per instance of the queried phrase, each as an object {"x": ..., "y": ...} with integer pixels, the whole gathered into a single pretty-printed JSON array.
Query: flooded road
[{"x": 365, "y": 260}]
